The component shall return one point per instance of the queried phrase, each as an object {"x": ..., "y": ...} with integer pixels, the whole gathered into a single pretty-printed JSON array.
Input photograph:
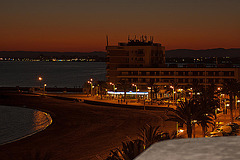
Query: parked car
[
  {"x": 238, "y": 117},
  {"x": 234, "y": 126},
  {"x": 222, "y": 131}
]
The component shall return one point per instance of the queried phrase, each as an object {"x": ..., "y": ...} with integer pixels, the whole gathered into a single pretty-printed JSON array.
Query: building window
[
  {"x": 152, "y": 80},
  {"x": 226, "y": 73},
  {"x": 143, "y": 73},
  {"x": 166, "y": 73},
  {"x": 210, "y": 73},
  {"x": 180, "y": 73},
  {"x": 172, "y": 73},
  {"x": 140, "y": 52},
  {"x": 152, "y": 73},
  {"x": 135, "y": 73},
  {"x": 195, "y": 73},
  {"x": 201, "y": 73},
  {"x": 210, "y": 80},
  {"x": 180, "y": 80}
]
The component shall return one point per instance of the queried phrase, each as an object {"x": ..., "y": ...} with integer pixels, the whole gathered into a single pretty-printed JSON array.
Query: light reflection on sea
[{"x": 17, "y": 123}]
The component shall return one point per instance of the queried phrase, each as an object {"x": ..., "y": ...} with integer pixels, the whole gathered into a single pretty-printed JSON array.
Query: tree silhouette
[
  {"x": 185, "y": 113},
  {"x": 231, "y": 87},
  {"x": 124, "y": 85},
  {"x": 129, "y": 151}
]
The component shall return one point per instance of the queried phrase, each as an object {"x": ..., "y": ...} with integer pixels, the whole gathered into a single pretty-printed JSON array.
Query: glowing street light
[
  {"x": 173, "y": 93},
  {"x": 91, "y": 84},
  {"x": 44, "y": 88},
  {"x": 40, "y": 79},
  {"x": 134, "y": 85},
  {"x": 113, "y": 86}
]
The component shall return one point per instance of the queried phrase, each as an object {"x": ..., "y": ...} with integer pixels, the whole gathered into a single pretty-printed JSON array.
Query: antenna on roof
[{"x": 107, "y": 39}]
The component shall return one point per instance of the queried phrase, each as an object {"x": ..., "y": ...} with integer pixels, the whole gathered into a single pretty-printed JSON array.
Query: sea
[
  {"x": 19, "y": 122},
  {"x": 54, "y": 74}
]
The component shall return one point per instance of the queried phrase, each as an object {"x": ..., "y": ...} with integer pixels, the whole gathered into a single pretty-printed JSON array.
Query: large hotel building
[{"x": 142, "y": 62}]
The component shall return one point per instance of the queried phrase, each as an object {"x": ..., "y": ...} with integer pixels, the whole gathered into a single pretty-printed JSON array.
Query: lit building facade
[
  {"x": 143, "y": 63},
  {"x": 134, "y": 54},
  {"x": 183, "y": 77}
]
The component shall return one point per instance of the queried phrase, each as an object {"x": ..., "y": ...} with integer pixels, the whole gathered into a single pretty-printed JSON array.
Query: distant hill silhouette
[
  {"x": 217, "y": 52},
  {"x": 36, "y": 54}
]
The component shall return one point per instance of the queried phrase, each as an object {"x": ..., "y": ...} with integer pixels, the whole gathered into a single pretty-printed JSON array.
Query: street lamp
[
  {"x": 134, "y": 85},
  {"x": 113, "y": 86},
  {"x": 91, "y": 84},
  {"x": 173, "y": 93},
  {"x": 44, "y": 87},
  {"x": 40, "y": 79}
]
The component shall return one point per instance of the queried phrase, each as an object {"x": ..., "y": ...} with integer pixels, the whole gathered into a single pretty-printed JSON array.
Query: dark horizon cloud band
[{"x": 82, "y": 25}]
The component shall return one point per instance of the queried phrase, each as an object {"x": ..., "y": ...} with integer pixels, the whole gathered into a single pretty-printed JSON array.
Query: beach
[{"x": 79, "y": 131}]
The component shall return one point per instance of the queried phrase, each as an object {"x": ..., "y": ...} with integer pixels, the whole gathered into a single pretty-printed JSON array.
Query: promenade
[{"x": 133, "y": 104}]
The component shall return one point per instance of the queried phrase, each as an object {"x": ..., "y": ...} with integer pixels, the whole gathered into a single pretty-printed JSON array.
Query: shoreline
[
  {"x": 48, "y": 117},
  {"x": 79, "y": 131}
]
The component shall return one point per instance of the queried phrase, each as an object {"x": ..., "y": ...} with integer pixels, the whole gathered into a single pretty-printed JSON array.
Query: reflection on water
[
  {"x": 55, "y": 74},
  {"x": 17, "y": 123}
]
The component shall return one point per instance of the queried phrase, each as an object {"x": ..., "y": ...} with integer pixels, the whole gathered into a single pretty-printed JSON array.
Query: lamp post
[
  {"x": 91, "y": 85},
  {"x": 173, "y": 93},
  {"x": 113, "y": 86},
  {"x": 40, "y": 80},
  {"x": 44, "y": 88},
  {"x": 134, "y": 85}
]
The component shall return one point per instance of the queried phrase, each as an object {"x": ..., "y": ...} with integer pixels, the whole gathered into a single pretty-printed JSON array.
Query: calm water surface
[
  {"x": 54, "y": 74},
  {"x": 17, "y": 123}
]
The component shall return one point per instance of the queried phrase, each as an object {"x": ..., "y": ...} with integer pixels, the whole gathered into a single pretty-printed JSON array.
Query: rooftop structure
[{"x": 134, "y": 54}]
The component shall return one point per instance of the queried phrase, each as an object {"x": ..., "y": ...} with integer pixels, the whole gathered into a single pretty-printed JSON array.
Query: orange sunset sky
[{"x": 82, "y": 25}]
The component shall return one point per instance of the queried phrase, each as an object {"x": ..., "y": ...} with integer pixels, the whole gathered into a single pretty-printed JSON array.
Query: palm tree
[
  {"x": 204, "y": 120},
  {"x": 125, "y": 86},
  {"x": 196, "y": 87},
  {"x": 151, "y": 84},
  {"x": 114, "y": 155},
  {"x": 231, "y": 87},
  {"x": 129, "y": 151},
  {"x": 185, "y": 113},
  {"x": 156, "y": 90},
  {"x": 102, "y": 85},
  {"x": 150, "y": 134}
]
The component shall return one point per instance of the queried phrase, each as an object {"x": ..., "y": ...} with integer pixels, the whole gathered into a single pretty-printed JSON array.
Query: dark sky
[{"x": 82, "y": 25}]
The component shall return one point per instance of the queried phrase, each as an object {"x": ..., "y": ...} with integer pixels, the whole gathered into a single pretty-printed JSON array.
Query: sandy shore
[{"x": 79, "y": 131}]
